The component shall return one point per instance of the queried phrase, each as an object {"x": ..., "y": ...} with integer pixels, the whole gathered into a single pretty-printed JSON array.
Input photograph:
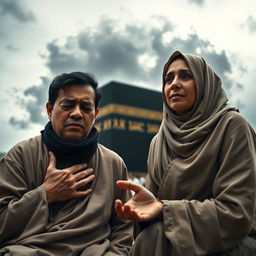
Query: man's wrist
[
  {"x": 161, "y": 205},
  {"x": 49, "y": 199}
]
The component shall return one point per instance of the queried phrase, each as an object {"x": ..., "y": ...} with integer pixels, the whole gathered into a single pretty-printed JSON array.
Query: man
[{"x": 57, "y": 190}]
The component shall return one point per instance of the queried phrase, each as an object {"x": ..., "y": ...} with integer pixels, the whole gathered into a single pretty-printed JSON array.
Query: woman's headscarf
[{"x": 181, "y": 135}]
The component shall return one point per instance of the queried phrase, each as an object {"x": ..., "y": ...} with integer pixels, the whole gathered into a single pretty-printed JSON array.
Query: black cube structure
[{"x": 129, "y": 118}]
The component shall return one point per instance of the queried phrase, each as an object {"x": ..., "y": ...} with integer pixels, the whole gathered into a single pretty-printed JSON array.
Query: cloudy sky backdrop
[{"x": 126, "y": 41}]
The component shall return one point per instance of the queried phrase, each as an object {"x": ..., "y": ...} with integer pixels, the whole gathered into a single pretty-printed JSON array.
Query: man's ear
[
  {"x": 97, "y": 112},
  {"x": 49, "y": 110}
]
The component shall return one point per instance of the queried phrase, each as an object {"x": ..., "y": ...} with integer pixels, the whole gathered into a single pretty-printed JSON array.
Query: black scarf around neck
[{"x": 73, "y": 152}]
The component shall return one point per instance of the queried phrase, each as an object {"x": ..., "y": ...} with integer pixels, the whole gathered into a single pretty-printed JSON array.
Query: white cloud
[{"x": 212, "y": 28}]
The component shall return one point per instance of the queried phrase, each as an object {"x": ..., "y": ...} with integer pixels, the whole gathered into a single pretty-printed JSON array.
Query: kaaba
[{"x": 129, "y": 117}]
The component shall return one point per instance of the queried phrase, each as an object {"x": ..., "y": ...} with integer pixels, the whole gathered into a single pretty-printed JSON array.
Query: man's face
[{"x": 73, "y": 113}]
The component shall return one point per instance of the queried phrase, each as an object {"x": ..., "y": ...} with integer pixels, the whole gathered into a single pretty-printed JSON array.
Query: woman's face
[{"x": 180, "y": 87}]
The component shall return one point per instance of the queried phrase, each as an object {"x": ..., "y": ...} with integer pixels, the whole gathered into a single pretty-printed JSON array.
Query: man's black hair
[{"x": 73, "y": 78}]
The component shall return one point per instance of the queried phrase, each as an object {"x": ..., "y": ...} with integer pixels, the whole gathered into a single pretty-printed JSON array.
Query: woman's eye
[
  {"x": 168, "y": 80},
  {"x": 186, "y": 76}
]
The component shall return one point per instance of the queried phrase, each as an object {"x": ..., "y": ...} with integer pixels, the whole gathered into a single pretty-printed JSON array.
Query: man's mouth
[{"x": 75, "y": 124}]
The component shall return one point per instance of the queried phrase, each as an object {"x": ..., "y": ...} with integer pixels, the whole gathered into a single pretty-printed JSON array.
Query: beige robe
[
  {"x": 209, "y": 201},
  {"x": 88, "y": 226},
  {"x": 202, "y": 165}
]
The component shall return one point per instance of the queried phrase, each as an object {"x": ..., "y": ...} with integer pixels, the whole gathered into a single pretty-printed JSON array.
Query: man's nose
[{"x": 76, "y": 112}]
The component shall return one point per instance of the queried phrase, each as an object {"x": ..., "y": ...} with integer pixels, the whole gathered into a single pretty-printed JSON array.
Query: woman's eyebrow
[
  {"x": 171, "y": 73},
  {"x": 180, "y": 70},
  {"x": 185, "y": 70}
]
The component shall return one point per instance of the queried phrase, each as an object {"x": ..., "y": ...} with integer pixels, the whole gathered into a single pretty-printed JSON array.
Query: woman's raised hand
[{"x": 143, "y": 206}]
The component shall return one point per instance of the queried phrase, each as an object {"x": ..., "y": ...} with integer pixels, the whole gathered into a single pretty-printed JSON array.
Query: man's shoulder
[
  {"x": 106, "y": 152},
  {"x": 111, "y": 160},
  {"x": 29, "y": 142},
  {"x": 24, "y": 146}
]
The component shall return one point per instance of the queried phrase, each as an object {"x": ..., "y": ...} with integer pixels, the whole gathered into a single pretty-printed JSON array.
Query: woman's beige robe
[{"x": 203, "y": 166}]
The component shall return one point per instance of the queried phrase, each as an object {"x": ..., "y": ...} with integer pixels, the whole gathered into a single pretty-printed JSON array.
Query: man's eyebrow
[
  {"x": 72, "y": 101},
  {"x": 67, "y": 101}
]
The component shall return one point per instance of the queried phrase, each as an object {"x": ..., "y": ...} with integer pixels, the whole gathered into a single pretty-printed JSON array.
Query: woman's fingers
[
  {"x": 119, "y": 208},
  {"x": 129, "y": 185},
  {"x": 123, "y": 210}
]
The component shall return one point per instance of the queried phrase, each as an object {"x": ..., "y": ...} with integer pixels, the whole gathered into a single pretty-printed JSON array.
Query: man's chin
[{"x": 73, "y": 138}]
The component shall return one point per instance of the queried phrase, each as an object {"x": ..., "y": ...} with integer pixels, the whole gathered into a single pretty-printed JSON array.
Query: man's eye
[
  {"x": 86, "y": 109},
  {"x": 66, "y": 106}
]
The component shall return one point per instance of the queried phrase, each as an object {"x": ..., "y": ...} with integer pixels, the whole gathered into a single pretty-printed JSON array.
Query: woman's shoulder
[
  {"x": 234, "y": 118},
  {"x": 234, "y": 123}
]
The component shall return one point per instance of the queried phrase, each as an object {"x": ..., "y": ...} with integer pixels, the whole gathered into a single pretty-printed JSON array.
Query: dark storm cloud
[
  {"x": 199, "y": 2},
  {"x": 106, "y": 52},
  {"x": 251, "y": 23},
  {"x": 60, "y": 61},
  {"x": 11, "y": 48},
  {"x": 113, "y": 53},
  {"x": 33, "y": 101},
  {"x": 22, "y": 124},
  {"x": 239, "y": 86},
  {"x": 15, "y": 9}
]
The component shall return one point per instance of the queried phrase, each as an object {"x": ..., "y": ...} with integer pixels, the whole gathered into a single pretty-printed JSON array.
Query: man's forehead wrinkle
[{"x": 73, "y": 101}]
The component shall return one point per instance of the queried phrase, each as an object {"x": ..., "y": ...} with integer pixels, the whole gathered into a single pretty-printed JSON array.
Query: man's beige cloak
[{"x": 87, "y": 226}]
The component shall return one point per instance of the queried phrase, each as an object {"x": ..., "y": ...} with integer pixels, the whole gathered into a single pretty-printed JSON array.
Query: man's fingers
[
  {"x": 79, "y": 194},
  {"x": 76, "y": 168},
  {"x": 83, "y": 174},
  {"x": 70, "y": 182},
  {"x": 84, "y": 182},
  {"x": 52, "y": 163},
  {"x": 61, "y": 185},
  {"x": 129, "y": 185}
]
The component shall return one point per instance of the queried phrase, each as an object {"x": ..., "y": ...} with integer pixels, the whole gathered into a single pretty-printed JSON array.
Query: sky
[{"x": 124, "y": 41}]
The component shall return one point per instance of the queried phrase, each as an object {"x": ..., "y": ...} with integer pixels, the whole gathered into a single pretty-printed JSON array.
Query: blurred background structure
[{"x": 129, "y": 118}]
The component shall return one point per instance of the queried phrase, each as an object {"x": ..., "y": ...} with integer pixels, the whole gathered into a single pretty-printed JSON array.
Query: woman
[{"x": 201, "y": 189}]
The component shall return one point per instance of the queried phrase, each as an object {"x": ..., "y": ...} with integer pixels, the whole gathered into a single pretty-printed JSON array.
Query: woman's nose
[{"x": 175, "y": 83}]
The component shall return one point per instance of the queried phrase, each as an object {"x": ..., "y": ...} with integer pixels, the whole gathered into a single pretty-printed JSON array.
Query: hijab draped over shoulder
[{"x": 181, "y": 135}]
